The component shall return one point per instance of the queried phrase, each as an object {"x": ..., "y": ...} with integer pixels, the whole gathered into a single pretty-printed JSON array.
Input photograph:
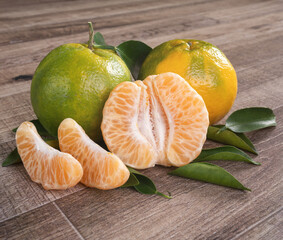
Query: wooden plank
[
  {"x": 42, "y": 26},
  {"x": 18, "y": 194},
  {"x": 258, "y": 73},
  {"x": 25, "y": 60},
  {"x": 270, "y": 228},
  {"x": 190, "y": 18},
  {"x": 34, "y": 7},
  {"x": 46, "y": 222}
]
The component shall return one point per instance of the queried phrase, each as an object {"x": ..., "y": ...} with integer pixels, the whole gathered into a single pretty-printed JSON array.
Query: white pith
[{"x": 157, "y": 132}]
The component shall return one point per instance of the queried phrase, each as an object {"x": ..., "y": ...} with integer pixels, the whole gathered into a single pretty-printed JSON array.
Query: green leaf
[
  {"x": 132, "y": 181},
  {"x": 99, "y": 42},
  {"x": 146, "y": 185},
  {"x": 99, "y": 39},
  {"x": 12, "y": 158},
  {"x": 228, "y": 153},
  {"x": 210, "y": 173},
  {"x": 250, "y": 119},
  {"x": 133, "y": 53},
  {"x": 40, "y": 129},
  {"x": 239, "y": 140}
]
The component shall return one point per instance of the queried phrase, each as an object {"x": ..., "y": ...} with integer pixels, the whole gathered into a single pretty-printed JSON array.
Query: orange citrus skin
[
  {"x": 203, "y": 66},
  {"x": 44, "y": 164},
  {"x": 102, "y": 169},
  {"x": 161, "y": 120}
]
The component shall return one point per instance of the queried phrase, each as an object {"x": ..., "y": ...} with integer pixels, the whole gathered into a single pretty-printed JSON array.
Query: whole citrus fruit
[
  {"x": 203, "y": 66},
  {"x": 73, "y": 81}
]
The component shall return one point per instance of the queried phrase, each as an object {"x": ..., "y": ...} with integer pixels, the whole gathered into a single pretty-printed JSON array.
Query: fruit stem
[{"x": 91, "y": 35}]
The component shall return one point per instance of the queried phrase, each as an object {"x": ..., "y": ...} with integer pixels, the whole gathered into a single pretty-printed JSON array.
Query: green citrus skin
[{"x": 73, "y": 81}]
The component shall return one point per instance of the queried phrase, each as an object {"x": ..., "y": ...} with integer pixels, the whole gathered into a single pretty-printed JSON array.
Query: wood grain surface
[{"x": 250, "y": 33}]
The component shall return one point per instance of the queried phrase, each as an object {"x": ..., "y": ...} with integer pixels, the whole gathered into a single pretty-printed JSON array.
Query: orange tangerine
[
  {"x": 44, "y": 164},
  {"x": 102, "y": 169},
  {"x": 203, "y": 66},
  {"x": 161, "y": 120}
]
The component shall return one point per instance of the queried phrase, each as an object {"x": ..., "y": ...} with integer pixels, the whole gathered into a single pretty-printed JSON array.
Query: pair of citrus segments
[{"x": 161, "y": 120}]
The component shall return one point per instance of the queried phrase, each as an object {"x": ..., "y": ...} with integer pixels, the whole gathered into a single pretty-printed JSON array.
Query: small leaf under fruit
[
  {"x": 12, "y": 158},
  {"x": 146, "y": 185},
  {"x": 40, "y": 129},
  {"x": 133, "y": 53}
]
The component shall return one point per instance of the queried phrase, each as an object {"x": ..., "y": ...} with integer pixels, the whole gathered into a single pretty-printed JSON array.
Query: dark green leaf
[
  {"x": 145, "y": 186},
  {"x": 40, "y": 129},
  {"x": 250, "y": 119},
  {"x": 132, "y": 181},
  {"x": 228, "y": 137},
  {"x": 99, "y": 39},
  {"x": 228, "y": 153},
  {"x": 12, "y": 158},
  {"x": 210, "y": 173},
  {"x": 133, "y": 53}
]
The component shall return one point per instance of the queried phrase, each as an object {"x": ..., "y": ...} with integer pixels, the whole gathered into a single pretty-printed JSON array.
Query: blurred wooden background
[{"x": 250, "y": 34}]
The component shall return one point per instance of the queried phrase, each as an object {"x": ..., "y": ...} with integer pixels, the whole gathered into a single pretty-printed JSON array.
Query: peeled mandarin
[{"x": 161, "y": 120}]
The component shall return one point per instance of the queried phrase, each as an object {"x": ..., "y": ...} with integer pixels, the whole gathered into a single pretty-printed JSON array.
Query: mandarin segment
[
  {"x": 44, "y": 164},
  {"x": 181, "y": 104},
  {"x": 121, "y": 123},
  {"x": 161, "y": 120},
  {"x": 102, "y": 169}
]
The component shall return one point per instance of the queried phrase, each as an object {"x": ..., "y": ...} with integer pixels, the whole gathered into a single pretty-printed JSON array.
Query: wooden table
[{"x": 251, "y": 35}]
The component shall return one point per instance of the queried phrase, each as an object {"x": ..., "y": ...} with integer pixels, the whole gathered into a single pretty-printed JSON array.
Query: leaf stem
[
  {"x": 91, "y": 35},
  {"x": 163, "y": 195}
]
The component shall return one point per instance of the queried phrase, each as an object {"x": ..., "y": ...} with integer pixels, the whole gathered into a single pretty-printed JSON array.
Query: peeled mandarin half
[
  {"x": 102, "y": 169},
  {"x": 44, "y": 164},
  {"x": 161, "y": 120}
]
